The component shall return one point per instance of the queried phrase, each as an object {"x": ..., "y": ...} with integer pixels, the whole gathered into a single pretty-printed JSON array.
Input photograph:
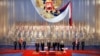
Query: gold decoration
[{"x": 57, "y": 3}]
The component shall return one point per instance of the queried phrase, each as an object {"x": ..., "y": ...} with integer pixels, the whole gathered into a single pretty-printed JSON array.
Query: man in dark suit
[
  {"x": 20, "y": 43},
  {"x": 15, "y": 45},
  {"x": 82, "y": 45},
  {"x": 37, "y": 47},
  {"x": 77, "y": 45},
  {"x": 42, "y": 46},
  {"x": 49, "y": 45},
  {"x": 73, "y": 43},
  {"x": 24, "y": 45},
  {"x": 61, "y": 46},
  {"x": 54, "y": 45},
  {"x": 58, "y": 46}
]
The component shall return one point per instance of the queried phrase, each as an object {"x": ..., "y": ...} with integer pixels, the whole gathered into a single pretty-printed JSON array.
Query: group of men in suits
[
  {"x": 55, "y": 46},
  {"x": 58, "y": 46},
  {"x": 21, "y": 44},
  {"x": 77, "y": 45}
]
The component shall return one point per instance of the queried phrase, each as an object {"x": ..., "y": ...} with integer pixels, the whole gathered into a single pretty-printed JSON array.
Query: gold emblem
[{"x": 47, "y": 8}]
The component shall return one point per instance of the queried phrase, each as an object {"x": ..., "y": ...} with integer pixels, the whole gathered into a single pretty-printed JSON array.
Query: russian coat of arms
[{"x": 51, "y": 10}]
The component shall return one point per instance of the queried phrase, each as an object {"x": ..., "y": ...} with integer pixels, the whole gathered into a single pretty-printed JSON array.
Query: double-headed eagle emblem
[{"x": 49, "y": 8}]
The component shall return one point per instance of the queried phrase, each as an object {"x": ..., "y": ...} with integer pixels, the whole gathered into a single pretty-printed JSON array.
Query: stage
[
  {"x": 11, "y": 52},
  {"x": 50, "y": 23}
]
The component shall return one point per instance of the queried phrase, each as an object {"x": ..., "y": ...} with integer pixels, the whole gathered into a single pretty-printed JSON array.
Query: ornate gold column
[
  {"x": 3, "y": 17},
  {"x": 97, "y": 17}
]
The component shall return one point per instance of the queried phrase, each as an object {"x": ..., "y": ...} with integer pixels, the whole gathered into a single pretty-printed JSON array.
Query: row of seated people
[
  {"x": 55, "y": 46},
  {"x": 38, "y": 31}
]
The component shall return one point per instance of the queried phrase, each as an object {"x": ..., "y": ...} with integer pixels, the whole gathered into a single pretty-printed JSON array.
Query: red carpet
[
  {"x": 47, "y": 53},
  {"x": 7, "y": 51}
]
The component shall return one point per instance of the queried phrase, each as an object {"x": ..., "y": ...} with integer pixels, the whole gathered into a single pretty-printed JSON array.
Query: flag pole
[{"x": 70, "y": 19}]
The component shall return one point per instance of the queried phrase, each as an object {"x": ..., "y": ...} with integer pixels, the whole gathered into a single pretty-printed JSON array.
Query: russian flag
[{"x": 70, "y": 14}]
